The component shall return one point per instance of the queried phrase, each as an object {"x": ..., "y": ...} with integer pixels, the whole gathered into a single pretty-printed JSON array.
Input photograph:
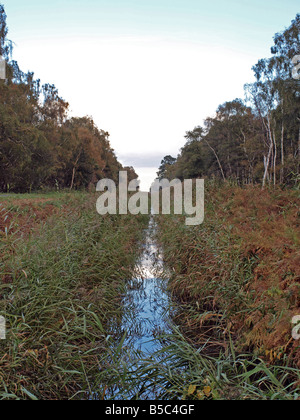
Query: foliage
[
  {"x": 255, "y": 140},
  {"x": 40, "y": 146},
  {"x": 239, "y": 271}
]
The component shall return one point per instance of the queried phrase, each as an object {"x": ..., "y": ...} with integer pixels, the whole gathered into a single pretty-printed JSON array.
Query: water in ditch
[
  {"x": 147, "y": 302},
  {"x": 146, "y": 324}
]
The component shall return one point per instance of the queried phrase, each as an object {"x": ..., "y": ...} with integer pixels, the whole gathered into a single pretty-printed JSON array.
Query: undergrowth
[
  {"x": 236, "y": 278},
  {"x": 62, "y": 282}
]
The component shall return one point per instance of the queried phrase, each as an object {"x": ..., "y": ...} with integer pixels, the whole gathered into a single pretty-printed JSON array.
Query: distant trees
[
  {"x": 5, "y": 44},
  {"x": 165, "y": 164},
  {"x": 40, "y": 146},
  {"x": 131, "y": 174},
  {"x": 256, "y": 139}
]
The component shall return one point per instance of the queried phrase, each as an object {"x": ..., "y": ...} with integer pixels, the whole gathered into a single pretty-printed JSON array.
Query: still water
[
  {"x": 147, "y": 301},
  {"x": 146, "y": 322}
]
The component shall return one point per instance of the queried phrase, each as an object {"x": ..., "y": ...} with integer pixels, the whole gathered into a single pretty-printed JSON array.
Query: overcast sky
[{"x": 146, "y": 70}]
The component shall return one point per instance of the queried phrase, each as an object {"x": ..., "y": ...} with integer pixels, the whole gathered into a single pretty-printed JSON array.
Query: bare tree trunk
[
  {"x": 274, "y": 161},
  {"x": 73, "y": 176},
  {"x": 74, "y": 170},
  {"x": 268, "y": 157},
  {"x": 266, "y": 165},
  {"x": 282, "y": 145},
  {"x": 250, "y": 164},
  {"x": 218, "y": 160},
  {"x": 282, "y": 155}
]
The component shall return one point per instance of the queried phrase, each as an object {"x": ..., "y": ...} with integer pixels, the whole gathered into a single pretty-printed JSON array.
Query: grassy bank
[
  {"x": 237, "y": 280},
  {"x": 63, "y": 271}
]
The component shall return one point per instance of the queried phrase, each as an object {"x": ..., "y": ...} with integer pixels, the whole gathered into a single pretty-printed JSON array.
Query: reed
[{"x": 62, "y": 284}]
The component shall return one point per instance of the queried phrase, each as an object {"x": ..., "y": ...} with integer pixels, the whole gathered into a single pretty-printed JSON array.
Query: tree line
[
  {"x": 255, "y": 139},
  {"x": 41, "y": 147}
]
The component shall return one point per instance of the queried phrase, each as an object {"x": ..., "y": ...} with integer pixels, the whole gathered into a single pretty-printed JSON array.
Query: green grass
[
  {"x": 182, "y": 371},
  {"x": 63, "y": 285},
  {"x": 39, "y": 195}
]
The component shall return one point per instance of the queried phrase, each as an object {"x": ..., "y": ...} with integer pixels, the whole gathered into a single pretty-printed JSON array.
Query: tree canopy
[
  {"x": 40, "y": 145},
  {"x": 255, "y": 139}
]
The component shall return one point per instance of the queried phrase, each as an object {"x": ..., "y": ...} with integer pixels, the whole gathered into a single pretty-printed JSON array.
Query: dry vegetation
[
  {"x": 239, "y": 273},
  {"x": 236, "y": 277}
]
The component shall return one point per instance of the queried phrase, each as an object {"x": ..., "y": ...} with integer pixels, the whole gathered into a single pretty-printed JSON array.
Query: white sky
[{"x": 145, "y": 74}]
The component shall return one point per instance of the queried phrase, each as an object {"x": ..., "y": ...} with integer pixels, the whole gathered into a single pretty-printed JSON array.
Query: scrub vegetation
[
  {"x": 236, "y": 280},
  {"x": 63, "y": 272}
]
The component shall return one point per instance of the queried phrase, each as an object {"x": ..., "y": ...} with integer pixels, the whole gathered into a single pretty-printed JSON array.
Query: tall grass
[
  {"x": 63, "y": 283},
  {"x": 235, "y": 278},
  {"x": 182, "y": 371},
  {"x": 233, "y": 287}
]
